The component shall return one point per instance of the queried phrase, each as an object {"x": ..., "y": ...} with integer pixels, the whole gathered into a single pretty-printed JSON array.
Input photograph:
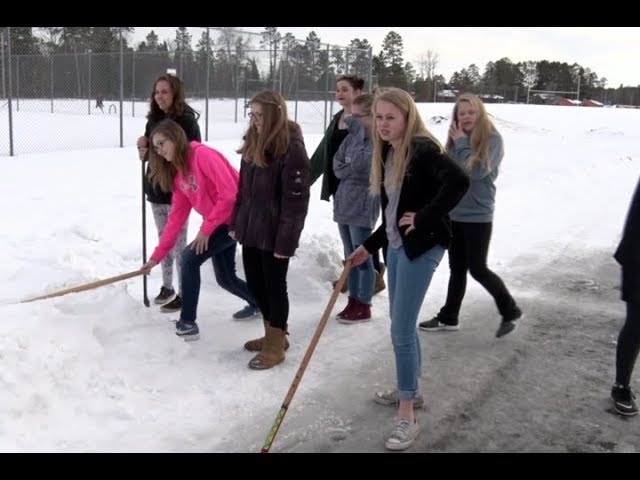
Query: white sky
[
  {"x": 608, "y": 51},
  {"x": 98, "y": 371}
]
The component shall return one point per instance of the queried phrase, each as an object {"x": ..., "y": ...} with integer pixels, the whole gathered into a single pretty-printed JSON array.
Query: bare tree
[{"x": 427, "y": 63}]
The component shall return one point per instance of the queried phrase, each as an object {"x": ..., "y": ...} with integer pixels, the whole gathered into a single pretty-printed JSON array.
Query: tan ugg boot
[
  {"x": 256, "y": 344},
  {"x": 272, "y": 352}
]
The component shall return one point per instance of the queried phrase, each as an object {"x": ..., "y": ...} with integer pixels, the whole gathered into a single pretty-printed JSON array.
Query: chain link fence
[{"x": 109, "y": 92}]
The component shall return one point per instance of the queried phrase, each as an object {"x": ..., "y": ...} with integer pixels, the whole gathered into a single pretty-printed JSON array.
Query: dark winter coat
[
  {"x": 432, "y": 186},
  {"x": 189, "y": 124},
  {"x": 628, "y": 252},
  {"x": 272, "y": 201},
  {"x": 322, "y": 158}
]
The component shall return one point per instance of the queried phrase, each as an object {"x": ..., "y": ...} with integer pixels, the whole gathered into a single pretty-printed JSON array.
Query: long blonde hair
[
  {"x": 162, "y": 172},
  {"x": 274, "y": 138},
  {"x": 480, "y": 137},
  {"x": 415, "y": 127}
]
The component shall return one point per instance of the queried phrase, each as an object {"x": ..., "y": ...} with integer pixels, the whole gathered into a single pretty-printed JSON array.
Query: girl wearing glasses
[
  {"x": 269, "y": 216},
  {"x": 200, "y": 178}
]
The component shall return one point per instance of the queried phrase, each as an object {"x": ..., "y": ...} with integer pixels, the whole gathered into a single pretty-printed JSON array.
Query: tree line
[{"x": 234, "y": 61}]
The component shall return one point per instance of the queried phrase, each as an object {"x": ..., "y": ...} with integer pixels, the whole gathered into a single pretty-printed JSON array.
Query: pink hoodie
[{"x": 210, "y": 188}]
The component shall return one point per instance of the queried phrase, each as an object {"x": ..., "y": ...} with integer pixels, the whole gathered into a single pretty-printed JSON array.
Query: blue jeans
[
  {"x": 362, "y": 279},
  {"x": 222, "y": 252},
  {"x": 408, "y": 282}
]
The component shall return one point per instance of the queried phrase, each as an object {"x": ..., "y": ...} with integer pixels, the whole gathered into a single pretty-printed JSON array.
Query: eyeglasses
[
  {"x": 364, "y": 115},
  {"x": 257, "y": 115},
  {"x": 159, "y": 146}
]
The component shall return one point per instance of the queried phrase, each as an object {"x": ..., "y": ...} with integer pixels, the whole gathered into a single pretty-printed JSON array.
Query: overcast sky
[{"x": 610, "y": 52}]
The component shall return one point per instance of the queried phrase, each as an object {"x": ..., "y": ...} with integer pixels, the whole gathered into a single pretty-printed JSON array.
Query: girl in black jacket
[
  {"x": 628, "y": 256},
  {"x": 418, "y": 185},
  {"x": 167, "y": 101}
]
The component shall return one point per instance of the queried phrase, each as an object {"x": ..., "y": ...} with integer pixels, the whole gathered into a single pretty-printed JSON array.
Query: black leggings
[
  {"x": 267, "y": 280},
  {"x": 628, "y": 345},
  {"x": 468, "y": 253}
]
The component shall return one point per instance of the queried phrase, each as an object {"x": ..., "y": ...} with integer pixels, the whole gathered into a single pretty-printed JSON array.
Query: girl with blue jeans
[
  {"x": 418, "y": 185},
  {"x": 355, "y": 210},
  {"x": 200, "y": 178}
]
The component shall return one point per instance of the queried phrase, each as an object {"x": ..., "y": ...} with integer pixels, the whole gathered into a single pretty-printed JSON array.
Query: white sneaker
[
  {"x": 390, "y": 397},
  {"x": 403, "y": 435}
]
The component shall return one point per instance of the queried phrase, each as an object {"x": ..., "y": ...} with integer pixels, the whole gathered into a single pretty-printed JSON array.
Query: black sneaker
[
  {"x": 247, "y": 312},
  {"x": 623, "y": 401},
  {"x": 164, "y": 296},
  {"x": 174, "y": 305},
  {"x": 436, "y": 325},
  {"x": 508, "y": 323},
  {"x": 189, "y": 331}
]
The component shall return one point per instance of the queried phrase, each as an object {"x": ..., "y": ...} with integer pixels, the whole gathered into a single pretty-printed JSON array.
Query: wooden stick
[
  {"x": 305, "y": 360},
  {"x": 87, "y": 286}
]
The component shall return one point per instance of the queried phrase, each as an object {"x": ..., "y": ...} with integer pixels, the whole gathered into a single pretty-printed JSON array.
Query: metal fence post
[
  {"x": 4, "y": 89},
  {"x": 370, "y": 79},
  {"x": 133, "y": 84},
  {"x": 9, "y": 95},
  {"x": 89, "y": 82},
  {"x": 51, "y": 75},
  {"x": 121, "y": 87},
  {"x": 17, "y": 83},
  {"x": 206, "y": 100}
]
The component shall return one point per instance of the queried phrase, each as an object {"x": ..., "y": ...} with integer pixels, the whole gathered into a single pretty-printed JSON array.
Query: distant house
[
  {"x": 566, "y": 102},
  {"x": 591, "y": 103},
  {"x": 447, "y": 94}
]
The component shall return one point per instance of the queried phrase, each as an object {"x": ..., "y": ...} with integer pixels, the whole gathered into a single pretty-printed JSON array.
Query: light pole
[{"x": 4, "y": 88}]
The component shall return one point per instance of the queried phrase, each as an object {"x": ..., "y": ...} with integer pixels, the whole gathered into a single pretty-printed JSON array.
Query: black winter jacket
[
  {"x": 272, "y": 201},
  {"x": 432, "y": 186},
  {"x": 189, "y": 124},
  {"x": 628, "y": 252}
]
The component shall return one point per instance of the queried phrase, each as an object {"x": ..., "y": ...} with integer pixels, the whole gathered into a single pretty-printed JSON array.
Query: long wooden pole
[
  {"x": 305, "y": 360},
  {"x": 87, "y": 286}
]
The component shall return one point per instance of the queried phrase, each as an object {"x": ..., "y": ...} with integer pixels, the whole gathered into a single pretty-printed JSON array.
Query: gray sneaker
[
  {"x": 402, "y": 435},
  {"x": 390, "y": 397},
  {"x": 435, "y": 325}
]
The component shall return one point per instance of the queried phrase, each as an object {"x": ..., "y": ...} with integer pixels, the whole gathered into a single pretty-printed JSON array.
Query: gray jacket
[
  {"x": 352, "y": 203},
  {"x": 478, "y": 204}
]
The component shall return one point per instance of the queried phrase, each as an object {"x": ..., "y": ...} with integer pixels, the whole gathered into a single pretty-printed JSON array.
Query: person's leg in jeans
[
  {"x": 224, "y": 267},
  {"x": 365, "y": 275},
  {"x": 191, "y": 262},
  {"x": 361, "y": 278},
  {"x": 457, "y": 275},
  {"x": 478, "y": 236},
  {"x": 408, "y": 282}
]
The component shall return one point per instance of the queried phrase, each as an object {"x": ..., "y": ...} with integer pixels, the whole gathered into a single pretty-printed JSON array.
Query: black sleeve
[
  {"x": 189, "y": 124},
  {"x": 453, "y": 181}
]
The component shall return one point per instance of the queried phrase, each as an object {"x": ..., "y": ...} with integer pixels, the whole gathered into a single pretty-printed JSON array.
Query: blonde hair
[
  {"x": 415, "y": 127},
  {"x": 274, "y": 138},
  {"x": 480, "y": 137},
  {"x": 162, "y": 172}
]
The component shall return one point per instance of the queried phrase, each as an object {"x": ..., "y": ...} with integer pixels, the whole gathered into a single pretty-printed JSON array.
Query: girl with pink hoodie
[{"x": 201, "y": 178}]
